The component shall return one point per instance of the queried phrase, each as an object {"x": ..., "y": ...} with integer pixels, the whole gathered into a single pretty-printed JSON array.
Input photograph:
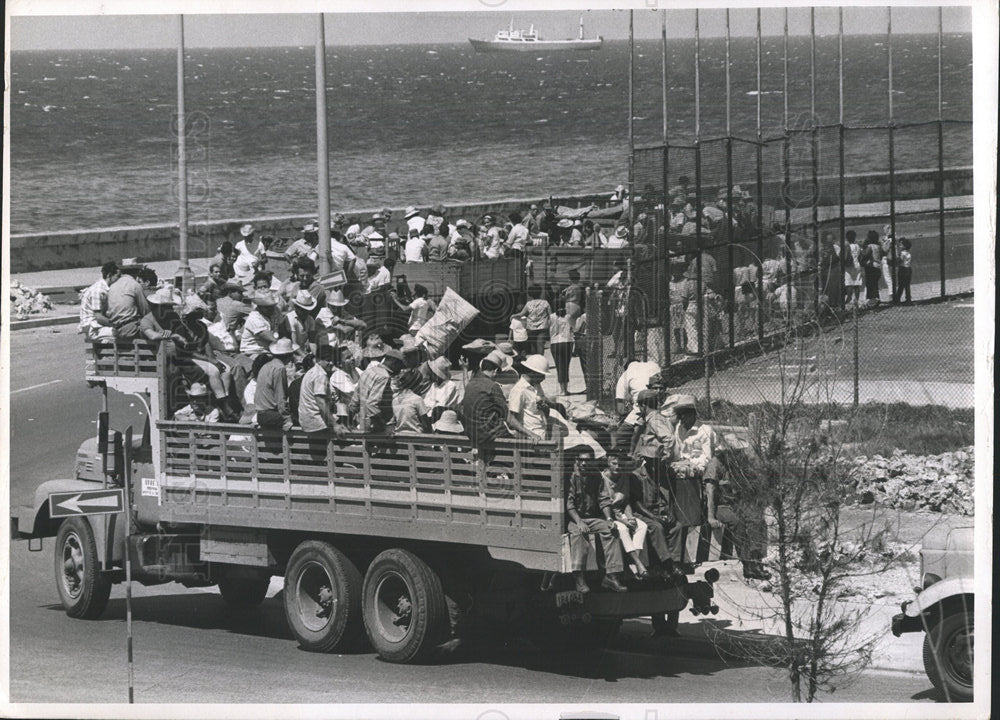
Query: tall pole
[
  {"x": 322, "y": 157},
  {"x": 814, "y": 152},
  {"x": 631, "y": 121},
  {"x": 786, "y": 170},
  {"x": 840, "y": 121},
  {"x": 893, "y": 281},
  {"x": 940, "y": 129},
  {"x": 760, "y": 198},
  {"x": 700, "y": 299},
  {"x": 184, "y": 270},
  {"x": 729, "y": 193},
  {"x": 667, "y": 328}
]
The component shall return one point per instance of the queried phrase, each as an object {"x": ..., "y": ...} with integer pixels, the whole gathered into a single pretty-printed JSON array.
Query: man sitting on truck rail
[
  {"x": 126, "y": 306},
  {"x": 586, "y": 517},
  {"x": 94, "y": 322},
  {"x": 484, "y": 412}
]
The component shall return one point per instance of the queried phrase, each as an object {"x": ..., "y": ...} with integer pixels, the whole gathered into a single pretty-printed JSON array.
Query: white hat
[
  {"x": 282, "y": 346},
  {"x": 375, "y": 235},
  {"x": 354, "y": 229},
  {"x": 246, "y": 230},
  {"x": 621, "y": 231},
  {"x": 305, "y": 300},
  {"x": 164, "y": 296},
  {"x": 536, "y": 364},
  {"x": 197, "y": 390},
  {"x": 410, "y": 212},
  {"x": 440, "y": 367},
  {"x": 449, "y": 422},
  {"x": 310, "y": 227},
  {"x": 193, "y": 303},
  {"x": 336, "y": 298}
]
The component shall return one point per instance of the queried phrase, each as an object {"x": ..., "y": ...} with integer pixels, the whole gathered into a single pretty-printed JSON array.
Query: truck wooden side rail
[{"x": 404, "y": 486}]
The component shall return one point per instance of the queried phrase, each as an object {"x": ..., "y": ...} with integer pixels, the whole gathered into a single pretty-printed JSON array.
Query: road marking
[{"x": 34, "y": 387}]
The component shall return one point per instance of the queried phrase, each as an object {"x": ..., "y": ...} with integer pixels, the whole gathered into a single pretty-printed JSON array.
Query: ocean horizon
[{"x": 92, "y": 143}]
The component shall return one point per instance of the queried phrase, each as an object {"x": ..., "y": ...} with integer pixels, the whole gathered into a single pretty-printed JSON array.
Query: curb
[{"x": 43, "y": 322}]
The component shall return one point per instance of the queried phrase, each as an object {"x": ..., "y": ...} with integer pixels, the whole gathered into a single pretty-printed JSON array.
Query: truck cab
[{"x": 943, "y": 610}]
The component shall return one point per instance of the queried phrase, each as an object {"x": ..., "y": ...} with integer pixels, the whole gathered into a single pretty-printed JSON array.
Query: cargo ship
[{"x": 512, "y": 40}]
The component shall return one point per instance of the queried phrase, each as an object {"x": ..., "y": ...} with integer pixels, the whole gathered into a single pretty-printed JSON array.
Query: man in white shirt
[
  {"x": 260, "y": 328},
  {"x": 490, "y": 242},
  {"x": 416, "y": 247},
  {"x": 315, "y": 415},
  {"x": 527, "y": 405},
  {"x": 198, "y": 408},
  {"x": 94, "y": 322},
  {"x": 519, "y": 237},
  {"x": 383, "y": 277},
  {"x": 250, "y": 256},
  {"x": 634, "y": 380},
  {"x": 414, "y": 221}
]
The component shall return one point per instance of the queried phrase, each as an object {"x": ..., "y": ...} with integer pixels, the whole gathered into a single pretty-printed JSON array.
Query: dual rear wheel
[{"x": 400, "y": 603}]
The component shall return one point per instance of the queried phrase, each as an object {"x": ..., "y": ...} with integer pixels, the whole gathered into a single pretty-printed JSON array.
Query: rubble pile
[
  {"x": 936, "y": 483},
  {"x": 24, "y": 301}
]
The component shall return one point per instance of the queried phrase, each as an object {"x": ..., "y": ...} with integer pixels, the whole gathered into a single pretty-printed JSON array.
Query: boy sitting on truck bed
[{"x": 587, "y": 517}]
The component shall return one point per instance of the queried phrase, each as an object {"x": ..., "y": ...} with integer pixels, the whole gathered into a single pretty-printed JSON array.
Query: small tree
[{"x": 795, "y": 470}]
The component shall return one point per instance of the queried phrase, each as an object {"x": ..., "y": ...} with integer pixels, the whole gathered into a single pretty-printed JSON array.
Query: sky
[{"x": 54, "y": 30}]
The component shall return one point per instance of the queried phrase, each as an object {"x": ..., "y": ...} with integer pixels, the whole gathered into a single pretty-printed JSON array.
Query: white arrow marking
[{"x": 74, "y": 503}]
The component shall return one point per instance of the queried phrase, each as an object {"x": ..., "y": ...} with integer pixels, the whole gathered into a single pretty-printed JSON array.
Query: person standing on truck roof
[
  {"x": 271, "y": 395},
  {"x": 585, "y": 517},
  {"x": 374, "y": 393},
  {"x": 94, "y": 322},
  {"x": 126, "y": 306}
]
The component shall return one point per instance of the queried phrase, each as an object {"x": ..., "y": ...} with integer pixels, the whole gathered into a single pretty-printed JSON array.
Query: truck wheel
[
  {"x": 244, "y": 592},
  {"x": 948, "y": 648},
  {"x": 405, "y": 612},
  {"x": 322, "y": 597},
  {"x": 83, "y": 588}
]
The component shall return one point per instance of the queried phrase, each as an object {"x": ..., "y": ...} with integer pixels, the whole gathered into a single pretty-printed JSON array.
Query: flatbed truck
[{"x": 388, "y": 538}]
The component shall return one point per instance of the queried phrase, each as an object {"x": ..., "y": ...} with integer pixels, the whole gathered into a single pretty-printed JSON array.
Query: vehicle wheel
[
  {"x": 405, "y": 612},
  {"x": 244, "y": 592},
  {"x": 322, "y": 597},
  {"x": 948, "y": 652},
  {"x": 83, "y": 588}
]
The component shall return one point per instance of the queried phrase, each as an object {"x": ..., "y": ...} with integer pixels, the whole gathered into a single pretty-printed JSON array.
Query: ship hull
[{"x": 492, "y": 46}]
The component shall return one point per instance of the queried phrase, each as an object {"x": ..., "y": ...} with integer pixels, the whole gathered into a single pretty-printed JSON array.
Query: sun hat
[
  {"x": 197, "y": 390},
  {"x": 503, "y": 361},
  {"x": 536, "y": 364},
  {"x": 449, "y": 422},
  {"x": 310, "y": 227},
  {"x": 193, "y": 303},
  {"x": 246, "y": 230},
  {"x": 462, "y": 223},
  {"x": 479, "y": 346},
  {"x": 565, "y": 223},
  {"x": 441, "y": 367},
  {"x": 305, "y": 300},
  {"x": 621, "y": 231},
  {"x": 684, "y": 402},
  {"x": 336, "y": 298},
  {"x": 410, "y": 212},
  {"x": 263, "y": 298},
  {"x": 282, "y": 346},
  {"x": 163, "y": 296}
]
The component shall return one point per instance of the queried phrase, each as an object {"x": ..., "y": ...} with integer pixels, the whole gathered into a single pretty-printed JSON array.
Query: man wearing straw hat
[
  {"x": 260, "y": 328},
  {"x": 528, "y": 408},
  {"x": 271, "y": 397},
  {"x": 198, "y": 408},
  {"x": 300, "y": 321},
  {"x": 444, "y": 393},
  {"x": 305, "y": 246}
]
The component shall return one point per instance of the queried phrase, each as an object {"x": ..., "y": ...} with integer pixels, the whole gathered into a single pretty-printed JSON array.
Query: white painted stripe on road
[{"x": 34, "y": 387}]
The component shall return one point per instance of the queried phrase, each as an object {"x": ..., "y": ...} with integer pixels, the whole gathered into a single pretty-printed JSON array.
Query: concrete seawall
[{"x": 32, "y": 252}]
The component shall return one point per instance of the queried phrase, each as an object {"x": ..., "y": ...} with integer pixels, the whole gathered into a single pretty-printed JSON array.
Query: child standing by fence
[{"x": 904, "y": 265}]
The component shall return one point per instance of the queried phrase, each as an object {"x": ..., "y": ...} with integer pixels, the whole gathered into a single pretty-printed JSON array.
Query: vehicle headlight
[{"x": 930, "y": 579}]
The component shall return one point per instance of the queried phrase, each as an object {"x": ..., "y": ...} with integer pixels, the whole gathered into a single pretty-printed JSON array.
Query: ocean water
[{"x": 92, "y": 141}]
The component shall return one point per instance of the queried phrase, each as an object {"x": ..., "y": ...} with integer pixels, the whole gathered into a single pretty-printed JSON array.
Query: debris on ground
[
  {"x": 937, "y": 483},
  {"x": 25, "y": 301}
]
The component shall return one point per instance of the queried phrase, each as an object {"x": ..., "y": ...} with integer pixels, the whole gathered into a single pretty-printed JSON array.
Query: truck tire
[
  {"x": 323, "y": 597},
  {"x": 83, "y": 588},
  {"x": 244, "y": 592},
  {"x": 948, "y": 648},
  {"x": 406, "y": 615}
]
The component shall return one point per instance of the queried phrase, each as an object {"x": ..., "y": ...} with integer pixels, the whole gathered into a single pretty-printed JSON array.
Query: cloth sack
[{"x": 452, "y": 316}]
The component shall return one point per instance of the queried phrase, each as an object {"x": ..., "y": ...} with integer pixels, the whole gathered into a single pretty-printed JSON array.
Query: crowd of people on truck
[{"x": 246, "y": 347}]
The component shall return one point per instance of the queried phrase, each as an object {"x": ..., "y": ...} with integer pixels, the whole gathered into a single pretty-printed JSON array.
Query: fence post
[
  {"x": 731, "y": 294},
  {"x": 941, "y": 258}
]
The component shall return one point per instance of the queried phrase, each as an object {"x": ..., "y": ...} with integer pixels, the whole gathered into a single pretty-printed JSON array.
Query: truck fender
[
  {"x": 956, "y": 587},
  {"x": 34, "y": 521}
]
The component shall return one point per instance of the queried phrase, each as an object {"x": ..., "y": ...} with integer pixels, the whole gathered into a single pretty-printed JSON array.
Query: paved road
[{"x": 190, "y": 648}]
